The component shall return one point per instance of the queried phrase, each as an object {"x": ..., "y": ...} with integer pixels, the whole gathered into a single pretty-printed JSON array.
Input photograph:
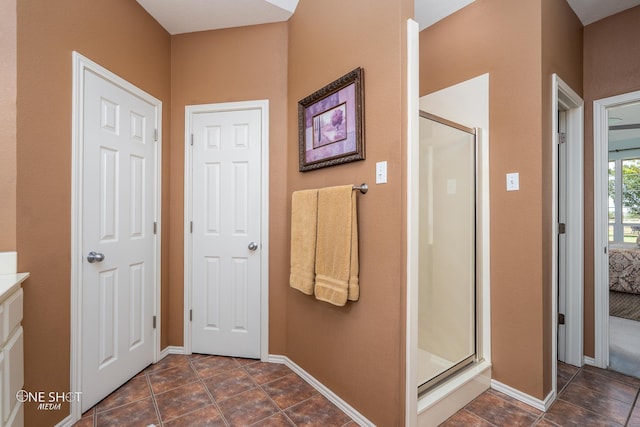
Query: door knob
[
  {"x": 253, "y": 246},
  {"x": 95, "y": 257}
]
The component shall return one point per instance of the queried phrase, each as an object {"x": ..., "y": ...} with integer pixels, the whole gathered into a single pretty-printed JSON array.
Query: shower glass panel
[{"x": 447, "y": 250}]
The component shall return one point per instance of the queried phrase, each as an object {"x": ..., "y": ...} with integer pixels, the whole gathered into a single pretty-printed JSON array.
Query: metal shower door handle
[
  {"x": 95, "y": 257},
  {"x": 253, "y": 246}
]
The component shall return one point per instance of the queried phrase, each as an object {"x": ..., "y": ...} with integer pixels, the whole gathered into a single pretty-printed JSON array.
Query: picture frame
[{"x": 331, "y": 123}]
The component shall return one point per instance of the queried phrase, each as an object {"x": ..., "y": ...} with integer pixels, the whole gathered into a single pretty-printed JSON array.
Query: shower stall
[{"x": 447, "y": 326}]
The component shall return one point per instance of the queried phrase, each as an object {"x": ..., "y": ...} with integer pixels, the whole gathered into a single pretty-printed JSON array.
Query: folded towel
[
  {"x": 304, "y": 208},
  {"x": 337, "y": 246}
]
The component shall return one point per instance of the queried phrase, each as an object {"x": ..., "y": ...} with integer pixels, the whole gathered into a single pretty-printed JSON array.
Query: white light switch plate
[
  {"x": 513, "y": 181},
  {"x": 381, "y": 172}
]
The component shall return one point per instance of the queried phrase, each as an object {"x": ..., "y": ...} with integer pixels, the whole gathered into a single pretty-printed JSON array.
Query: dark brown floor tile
[
  {"x": 90, "y": 413},
  {"x": 606, "y": 385},
  {"x": 140, "y": 413},
  {"x": 289, "y": 390},
  {"x": 634, "y": 420},
  {"x": 263, "y": 372},
  {"x": 499, "y": 411},
  {"x": 243, "y": 361},
  {"x": 182, "y": 400},
  {"x": 635, "y": 382},
  {"x": 209, "y": 416},
  {"x": 317, "y": 411},
  {"x": 135, "y": 389},
  {"x": 213, "y": 365},
  {"x": 277, "y": 420},
  {"x": 515, "y": 402},
  {"x": 352, "y": 424},
  {"x": 597, "y": 402},
  {"x": 543, "y": 422},
  {"x": 565, "y": 414},
  {"x": 248, "y": 407},
  {"x": 228, "y": 384},
  {"x": 465, "y": 418},
  {"x": 84, "y": 422},
  {"x": 170, "y": 361},
  {"x": 168, "y": 379},
  {"x": 565, "y": 373}
]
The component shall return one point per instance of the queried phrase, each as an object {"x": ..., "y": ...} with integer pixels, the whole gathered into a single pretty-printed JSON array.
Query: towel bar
[{"x": 362, "y": 187}]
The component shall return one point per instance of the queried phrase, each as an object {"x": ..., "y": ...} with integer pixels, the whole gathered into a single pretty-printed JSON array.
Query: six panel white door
[
  {"x": 119, "y": 196},
  {"x": 226, "y": 206}
]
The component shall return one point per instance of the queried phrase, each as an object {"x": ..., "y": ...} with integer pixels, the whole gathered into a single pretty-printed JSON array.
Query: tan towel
[
  {"x": 304, "y": 208},
  {"x": 337, "y": 246}
]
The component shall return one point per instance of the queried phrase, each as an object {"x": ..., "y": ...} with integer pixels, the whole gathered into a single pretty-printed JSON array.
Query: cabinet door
[{"x": 13, "y": 372}]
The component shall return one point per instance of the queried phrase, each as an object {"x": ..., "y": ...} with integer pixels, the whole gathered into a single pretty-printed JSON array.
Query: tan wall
[
  {"x": 122, "y": 37},
  {"x": 611, "y": 67},
  {"x": 8, "y": 64},
  {"x": 237, "y": 64},
  {"x": 505, "y": 40},
  {"x": 358, "y": 350}
]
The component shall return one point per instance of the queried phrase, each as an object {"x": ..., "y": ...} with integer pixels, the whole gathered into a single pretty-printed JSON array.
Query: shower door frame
[{"x": 470, "y": 360}]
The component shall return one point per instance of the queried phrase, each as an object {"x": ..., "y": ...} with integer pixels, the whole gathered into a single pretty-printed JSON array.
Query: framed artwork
[{"x": 331, "y": 123}]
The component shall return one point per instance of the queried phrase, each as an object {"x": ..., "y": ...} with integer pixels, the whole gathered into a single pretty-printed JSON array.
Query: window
[{"x": 624, "y": 200}]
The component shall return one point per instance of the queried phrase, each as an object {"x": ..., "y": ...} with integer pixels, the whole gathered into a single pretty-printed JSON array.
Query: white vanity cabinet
[{"x": 11, "y": 350}]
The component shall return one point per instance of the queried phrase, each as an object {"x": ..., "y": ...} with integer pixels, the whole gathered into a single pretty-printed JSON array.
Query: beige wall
[
  {"x": 237, "y": 64},
  {"x": 506, "y": 40},
  {"x": 611, "y": 67},
  {"x": 357, "y": 350},
  {"x": 8, "y": 65},
  {"x": 121, "y": 36}
]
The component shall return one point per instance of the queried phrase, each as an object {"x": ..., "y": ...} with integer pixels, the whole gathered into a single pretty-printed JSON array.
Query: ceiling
[
  {"x": 186, "y": 16},
  {"x": 619, "y": 117}
]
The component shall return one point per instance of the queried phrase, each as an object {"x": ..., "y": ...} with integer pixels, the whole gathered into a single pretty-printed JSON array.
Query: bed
[{"x": 624, "y": 280}]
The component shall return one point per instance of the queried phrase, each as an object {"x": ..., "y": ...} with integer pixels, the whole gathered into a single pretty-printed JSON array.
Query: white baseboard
[
  {"x": 542, "y": 405},
  {"x": 172, "y": 349},
  {"x": 589, "y": 361},
  {"x": 322, "y": 389}
]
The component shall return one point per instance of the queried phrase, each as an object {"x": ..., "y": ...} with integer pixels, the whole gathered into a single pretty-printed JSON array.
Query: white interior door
[
  {"x": 226, "y": 233},
  {"x": 562, "y": 238},
  {"x": 119, "y": 202}
]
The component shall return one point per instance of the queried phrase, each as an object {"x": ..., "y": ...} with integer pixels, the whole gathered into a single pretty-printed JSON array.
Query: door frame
[
  {"x": 80, "y": 65},
  {"x": 190, "y": 110},
  {"x": 601, "y": 220},
  {"x": 573, "y": 105}
]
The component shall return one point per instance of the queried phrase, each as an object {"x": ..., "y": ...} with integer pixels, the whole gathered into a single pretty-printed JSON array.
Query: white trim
[
  {"x": 589, "y": 361},
  {"x": 411, "y": 382},
  {"x": 563, "y": 95},
  {"x": 601, "y": 222},
  {"x": 263, "y": 106},
  {"x": 172, "y": 349},
  {"x": 66, "y": 422},
  {"x": 542, "y": 405},
  {"x": 79, "y": 65},
  {"x": 322, "y": 389}
]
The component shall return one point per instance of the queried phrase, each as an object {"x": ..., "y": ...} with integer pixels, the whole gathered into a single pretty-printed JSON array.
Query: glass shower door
[{"x": 447, "y": 249}]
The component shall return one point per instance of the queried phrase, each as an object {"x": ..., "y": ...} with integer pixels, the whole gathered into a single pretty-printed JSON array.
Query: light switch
[
  {"x": 381, "y": 172},
  {"x": 513, "y": 181}
]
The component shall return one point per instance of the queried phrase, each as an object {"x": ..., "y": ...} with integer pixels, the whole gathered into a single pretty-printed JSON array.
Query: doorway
[
  {"x": 226, "y": 229},
  {"x": 115, "y": 228},
  {"x": 617, "y": 226}
]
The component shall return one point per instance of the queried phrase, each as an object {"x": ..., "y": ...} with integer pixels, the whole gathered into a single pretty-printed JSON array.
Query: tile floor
[
  {"x": 588, "y": 396},
  {"x": 200, "y": 390}
]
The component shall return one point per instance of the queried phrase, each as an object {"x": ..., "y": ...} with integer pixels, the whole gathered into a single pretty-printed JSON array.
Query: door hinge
[
  {"x": 155, "y": 135},
  {"x": 190, "y": 315},
  {"x": 192, "y": 140},
  {"x": 562, "y": 138},
  {"x": 560, "y": 319},
  {"x": 562, "y": 228},
  {"x": 155, "y": 227},
  {"x": 154, "y": 322},
  {"x": 191, "y": 227}
]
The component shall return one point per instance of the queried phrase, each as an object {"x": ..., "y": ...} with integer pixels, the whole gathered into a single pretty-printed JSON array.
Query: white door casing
[
  {"x": 601, "y": 221},
  {"x": 116, "y": 199},
  {"x": 225, "y": 236}
]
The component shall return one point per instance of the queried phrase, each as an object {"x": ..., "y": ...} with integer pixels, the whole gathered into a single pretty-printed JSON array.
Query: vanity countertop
[{"x": 10, "y": 282}]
